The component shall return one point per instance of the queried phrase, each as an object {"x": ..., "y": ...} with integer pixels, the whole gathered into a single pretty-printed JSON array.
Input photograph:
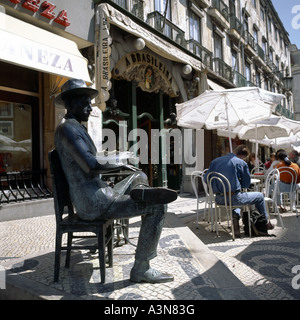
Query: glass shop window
[{"x": 15, "y": 137}]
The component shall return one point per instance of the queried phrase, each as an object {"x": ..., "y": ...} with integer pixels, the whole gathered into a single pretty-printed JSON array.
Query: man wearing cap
[{"x": 92, "y": 197}]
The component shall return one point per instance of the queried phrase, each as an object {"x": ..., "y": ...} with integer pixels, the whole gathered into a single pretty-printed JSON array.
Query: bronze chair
[{"x": 69, "y": 222}]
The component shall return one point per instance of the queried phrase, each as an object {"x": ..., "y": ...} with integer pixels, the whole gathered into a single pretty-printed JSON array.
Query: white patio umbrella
[
  {"x": 227, "y": 108},
  {"x": 258, "y": 130},
  {"x": 273, "y": 127},
  {"x": 282, "y": 122},
  {"x": 293, "y": 140}
]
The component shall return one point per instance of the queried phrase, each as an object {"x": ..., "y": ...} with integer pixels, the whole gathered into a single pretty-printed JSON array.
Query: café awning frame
[{"x": 31, "y": 47}]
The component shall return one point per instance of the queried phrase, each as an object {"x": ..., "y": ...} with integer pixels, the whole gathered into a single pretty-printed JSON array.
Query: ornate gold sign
[{"x": 148, "y": 71}]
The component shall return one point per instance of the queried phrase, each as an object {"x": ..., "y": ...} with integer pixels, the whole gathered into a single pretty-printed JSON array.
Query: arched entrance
[
  {"x": 138, "y": 109},
  {"x": 143, "y": 98}
]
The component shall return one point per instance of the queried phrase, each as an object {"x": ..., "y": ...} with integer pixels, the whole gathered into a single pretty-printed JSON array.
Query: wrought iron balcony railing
[
  {"x": 250, "y": 84},
  {"x": 135, "y": 7},
  {"x": 221, "y": 7},
  {"x": 201, "y": 52},
  {"x": 249, "y": 40},
  {"x": 235, "y": 24},
  {"x": 281, "y": 110},
  {"x": 270, "y": 64},
  {"x": 169, "y": 29},
  {"x": 259, "y": 50},
  {"x": 222, "y": 69},
  {"x": 238, "y": 79}
]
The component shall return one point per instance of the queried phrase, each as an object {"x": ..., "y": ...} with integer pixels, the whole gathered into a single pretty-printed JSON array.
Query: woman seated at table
[
  {"x": 271, "y": 160},
  {"x": 253, "y": 167},
  {"x": 274, "y": 162},
  {"x": 285, "y": 178},
  {"x": 251, "y": 161}
]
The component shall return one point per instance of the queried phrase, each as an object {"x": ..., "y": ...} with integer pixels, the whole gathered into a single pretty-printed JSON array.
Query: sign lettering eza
[{"x": 47, "y": 12}]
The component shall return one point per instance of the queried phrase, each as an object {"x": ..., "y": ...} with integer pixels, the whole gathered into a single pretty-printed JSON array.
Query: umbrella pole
[
  {"x": 256, "y": 148},
  {"x": 229, "y": 133}
]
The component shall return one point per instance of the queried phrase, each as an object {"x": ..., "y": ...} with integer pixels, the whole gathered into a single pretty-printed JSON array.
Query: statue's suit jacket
[
  {"x": 77, "y": 152},
  {"x": 91, "y": 196}
]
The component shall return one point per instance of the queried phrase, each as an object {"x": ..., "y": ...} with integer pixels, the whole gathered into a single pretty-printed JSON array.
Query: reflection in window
[
  {"x": 195, "y": 26},
  {"x": 218, "y": 46},
  {"x": 15, "y": 137},
  {"x": 235, "y": 66}
]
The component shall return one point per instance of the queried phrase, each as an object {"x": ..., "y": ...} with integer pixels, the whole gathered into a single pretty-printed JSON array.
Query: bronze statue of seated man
[{"x": 92, "y": 197}]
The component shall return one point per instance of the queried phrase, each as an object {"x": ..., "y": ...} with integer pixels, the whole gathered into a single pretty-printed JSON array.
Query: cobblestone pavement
[
  {"x": 82, "y": 279},
  {"x": 263, "y": 264},
  {"x": 254, "y": 268}
]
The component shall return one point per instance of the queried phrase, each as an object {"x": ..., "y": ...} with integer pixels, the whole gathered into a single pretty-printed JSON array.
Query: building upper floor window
[
  {"x": 282, "y": 66},
  {"x": 255, "y": 35},
  {"x": 194, "y": 26},
  {"x": 248, "y": 71},
  {"x": 271, "y": 54},
  {"x": 262, "y": 12},
  {"x": 234, "y": 60},
  {"x": 270, "y": 24},
  {"x": 277, "y": 63},
  {"x": 163, "y": 6},
  {"x": 246, "y": 23},
  {"x": 232, "y": 8},
  {"x": 266, "y": 87},
  {"x": 257, "y": 77},
  {"x": 276, "y": 33},
  {"x": 264, "y": 46},
  {"x": 218, "y": 50},
  {"x": 254, "y": 3},
  {"x": 121, "y": 3}
]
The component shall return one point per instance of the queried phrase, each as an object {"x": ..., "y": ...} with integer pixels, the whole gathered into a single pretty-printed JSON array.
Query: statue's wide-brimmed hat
[{"x": 73, "y": 87}]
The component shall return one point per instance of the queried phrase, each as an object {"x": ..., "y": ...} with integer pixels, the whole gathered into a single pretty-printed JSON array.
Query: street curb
[
  {"x": 226, "y": 283},
  {"x": 22, "y": 288},
  {"x": 26, "y": 209}
]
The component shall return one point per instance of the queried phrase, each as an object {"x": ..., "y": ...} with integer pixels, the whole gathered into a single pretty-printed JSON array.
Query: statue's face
[{"x": 81, "y": 108}]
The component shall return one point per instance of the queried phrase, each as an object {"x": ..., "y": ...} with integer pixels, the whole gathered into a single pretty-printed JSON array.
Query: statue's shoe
[
  {"x": 150, "y": 276},
  {"x": 155, "y": 195}
]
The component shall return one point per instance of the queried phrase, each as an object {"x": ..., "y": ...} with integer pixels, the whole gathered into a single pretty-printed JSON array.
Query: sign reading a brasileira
[
  {"x": 150, "y": 73},
  {"x": 103, "y": 49}
]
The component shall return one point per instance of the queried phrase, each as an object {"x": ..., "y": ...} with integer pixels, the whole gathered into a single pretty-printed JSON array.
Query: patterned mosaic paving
[
  {"x": 82, "y": 279},
  {"x": 263, "y": 264}
]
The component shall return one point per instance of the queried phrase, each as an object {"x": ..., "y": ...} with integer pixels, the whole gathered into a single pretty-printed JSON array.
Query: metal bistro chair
[
  {"x": 71, "y": 223},
  {"x": 259, "y": 169},
  {"x": 289, "y": 197},
  {"x": 259, "y": 173},
  {"x": 297, "y": 198},
  {"x": 195, "y": 176},
  {"x": 226, "y": 188},
  {"x": 271, "y": 192}
]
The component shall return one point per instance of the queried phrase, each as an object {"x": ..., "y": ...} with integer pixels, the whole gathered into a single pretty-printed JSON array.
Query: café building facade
[
  {"x": 143, "y": 57},
  {"x": 139, "y": 73},
  {"x": 41, "y": 46}
]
